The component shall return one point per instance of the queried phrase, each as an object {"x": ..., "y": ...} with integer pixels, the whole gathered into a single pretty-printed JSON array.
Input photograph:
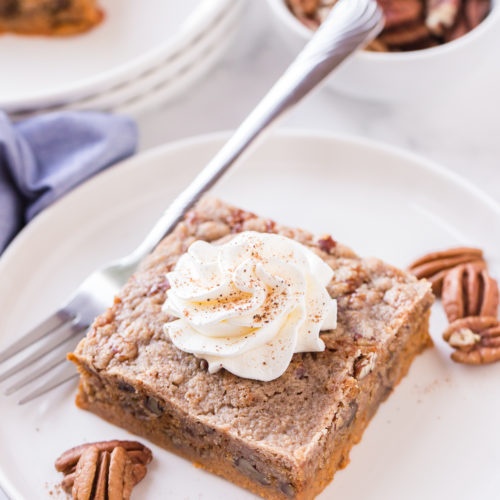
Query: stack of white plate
[{"x": 143, "y": 53}]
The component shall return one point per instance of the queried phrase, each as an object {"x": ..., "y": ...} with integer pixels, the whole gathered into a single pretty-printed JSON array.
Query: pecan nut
[
  {"x": 103, "y": 470},
  {"x": 476, "y": 339},
  {"x": 406, "y": 36},
  {"x": 120, "y": 479},
  {"x": 434, "y": 266},
  {"x": 475, "y": 11},
  {"x": 459, "y": 28},
  {"x": 409, "y": 24},
  {"x": 85, "y": 473},
  {"x": 398, "y": 13},
  {"x": 472, "y": 13},
  {"x": 469, "y": 290},
  {"x": 307, "y": 12},
  {"x": 304, "y": 7},
  {"x": 441, "y": 14}
]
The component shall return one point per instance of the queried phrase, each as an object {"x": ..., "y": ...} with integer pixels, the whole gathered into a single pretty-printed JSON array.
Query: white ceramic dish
[
  {"x": 134, "y": 39},
  {"x": 440, "y": 422},
  {"x": 402, "y": 76},
  {"x": 199, "y": 65},
  {"x": 182, "y": 69}
]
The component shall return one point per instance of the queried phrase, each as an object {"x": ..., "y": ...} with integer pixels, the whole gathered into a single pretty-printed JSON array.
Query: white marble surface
[{"x": 460, "y": 130}]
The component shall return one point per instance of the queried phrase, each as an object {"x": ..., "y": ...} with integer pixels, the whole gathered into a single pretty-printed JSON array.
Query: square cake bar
[{"x": 282, "y": 439}]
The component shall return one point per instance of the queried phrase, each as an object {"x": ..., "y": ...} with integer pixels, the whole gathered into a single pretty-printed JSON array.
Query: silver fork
[{"x": 350, "y": 25}]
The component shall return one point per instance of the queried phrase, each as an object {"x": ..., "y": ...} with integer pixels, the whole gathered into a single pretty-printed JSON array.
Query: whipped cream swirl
[{"x": 247, "y": 305}]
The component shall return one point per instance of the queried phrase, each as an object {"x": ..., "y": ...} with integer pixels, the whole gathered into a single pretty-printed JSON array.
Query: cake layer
[{"x": 281, "y": 439}]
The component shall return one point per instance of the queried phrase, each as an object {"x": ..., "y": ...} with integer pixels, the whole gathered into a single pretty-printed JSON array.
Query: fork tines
[{"x": 41, "y": 354}]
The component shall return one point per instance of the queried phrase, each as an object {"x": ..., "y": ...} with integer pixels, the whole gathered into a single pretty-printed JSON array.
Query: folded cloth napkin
[{"x": 42, "y": 158}]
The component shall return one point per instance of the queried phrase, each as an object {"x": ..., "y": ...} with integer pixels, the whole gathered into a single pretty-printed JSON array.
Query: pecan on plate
[
  {"x": 434, "y": 266},
  {"x": 469, "y": 290},
  {"x": 476, "y": 340},
  {"x": 106, "y": 470}
]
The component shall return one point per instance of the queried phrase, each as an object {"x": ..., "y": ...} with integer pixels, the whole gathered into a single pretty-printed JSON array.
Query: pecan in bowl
[
  {"x": 409, "y": 24},
  {"x": 416, "y": 57}
]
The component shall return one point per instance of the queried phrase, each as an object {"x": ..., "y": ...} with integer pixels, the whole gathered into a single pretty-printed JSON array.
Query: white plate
[
  {"x": 183, "y": 68},
  {"x": 133, "y": 38},
  {"x": 436, "y": 436},
  {"x": 175, "y": 76}
]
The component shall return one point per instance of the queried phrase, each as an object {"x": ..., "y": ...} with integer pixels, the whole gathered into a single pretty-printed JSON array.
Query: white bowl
[{"x": 401, "y": 76}]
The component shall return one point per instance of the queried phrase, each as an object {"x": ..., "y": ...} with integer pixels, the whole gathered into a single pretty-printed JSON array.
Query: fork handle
[{"x": 350, "y": 25}]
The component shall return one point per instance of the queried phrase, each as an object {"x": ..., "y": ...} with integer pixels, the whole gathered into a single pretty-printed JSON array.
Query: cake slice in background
[{"x": 49, "y": 17}]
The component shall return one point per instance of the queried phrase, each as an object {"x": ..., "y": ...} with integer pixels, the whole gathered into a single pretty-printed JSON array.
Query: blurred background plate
[
  {"x": 135, "y": 39},
  {"x": 181, "y": 69}
]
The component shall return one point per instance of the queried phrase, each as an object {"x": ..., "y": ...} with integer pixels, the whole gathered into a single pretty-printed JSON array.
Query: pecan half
[
  {"x": 476, "y": 339},
  {"x": 104, "y": 470},
  {"x": 409, "y": 24},
  {"x": 404, "y": 27},
  {"x": 102, "y": 476},
  {"x": 120, "y": 480},
  {"x": 476, "y": 11},
  {"x": 470, "y": 15},
  {"x": 377, "y": 46},
  {"x": 398, "y": 13},
  {"x": 434, "y": 266},
  {"x": 9, "y": 8},
  {"x": 68, "y": 460},
  {"x": 441, "y": 14},
  {"x": 85, "y": 474},
  {"x": 469, "y": 290},
  {"x": 304, "y": 7},
  {"x": 406, "y": 35},
  {"x": 460, "y": 28}
]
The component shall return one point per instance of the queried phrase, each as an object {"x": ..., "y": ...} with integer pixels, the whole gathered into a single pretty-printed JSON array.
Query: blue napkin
[{"x": 44, "y": 157}]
